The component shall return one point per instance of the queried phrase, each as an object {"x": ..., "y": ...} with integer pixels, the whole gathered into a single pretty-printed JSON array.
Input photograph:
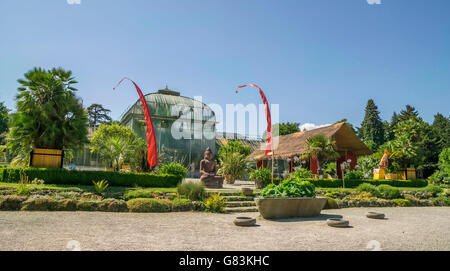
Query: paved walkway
[{"x": 414, "y": 228}]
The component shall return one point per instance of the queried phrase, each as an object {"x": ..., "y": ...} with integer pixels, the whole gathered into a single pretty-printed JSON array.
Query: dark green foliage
[
  {"x": 434, "y": 190},
  {"x": 354, "y": 175},
  {"x": 388, "y": 192},
  {"x": 301, "y": 173},
  {"x": 442, "y": 175},
  {"x": 4, "y": 118},
  {"x": 174, "y": 168},
  {"x": 261, "y": 176},
  {"x": 234, "y": 146},
  {"x": 441, "y": 127},
  {"x": 367, "y": 187},
  {"x": 134, "y": 194},
  {"x": 290, "y": 188},
  {"x": 408, "y": 113},
  {"x": 147, "y": 206},
  {"x": 288, "y": 128},
  {"x": 40, "y": 204},
  {"x": 112, "y": 205},
  {"x": 49, "y": 115},
  {"x": 11, "y": 202},
  {"x": 336, "y": 183},
  {"x": 98, "y": 115},
  {"x": 372, "y": 127},
  {"x": 72, "y": 177},
  {"x": 191, "y": 190}
]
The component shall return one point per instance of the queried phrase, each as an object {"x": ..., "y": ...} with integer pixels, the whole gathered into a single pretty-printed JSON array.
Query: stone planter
[{"x": 290, "y": 207}]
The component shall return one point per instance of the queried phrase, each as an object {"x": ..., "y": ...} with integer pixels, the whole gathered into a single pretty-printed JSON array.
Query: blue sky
[{"x": 320, "y": 60}]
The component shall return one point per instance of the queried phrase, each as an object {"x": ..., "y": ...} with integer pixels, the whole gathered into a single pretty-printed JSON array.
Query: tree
[
  {"x": 407, "y": 113},
  {"x": 284, "y": 128},
  {"x": 49, "y": 115},
  {"x": 4, "y": 118},
  {"x": 98, "y": 115},
  {"x": 372, "y": 127},
  {"x": 441, "y": 127},
  {"x": 234, "y": 146},
  {"x": 115, "y": 144},
  {"x": 320, "y": 147}
]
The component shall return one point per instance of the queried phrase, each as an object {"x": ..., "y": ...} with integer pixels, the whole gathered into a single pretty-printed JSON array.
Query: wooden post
[{"x": 273, "y": 160}]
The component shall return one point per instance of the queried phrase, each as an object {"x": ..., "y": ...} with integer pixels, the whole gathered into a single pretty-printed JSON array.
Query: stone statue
[
  {"x": 208, "y": 171},
  {"x": 384, "y": 163}
]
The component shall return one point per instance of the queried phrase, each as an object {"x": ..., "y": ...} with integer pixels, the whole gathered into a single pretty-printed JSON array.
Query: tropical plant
[
  {"x": 100, "y": 186},
  {"x": 320, "y": 147},
  {"x": 215, "y": 203},
  {"x": 233, "y": 165},
  {"x": 234, "y": 146},
  {"x": 354, "y": 175},
  {"x": 115, "y": 144},
  {"x": 290, "y": 188},
  {"x": 301, "y": 173},
  {"x": 261, "y": 176},
  {"x": 98, "y": 115},
  {"x": 367, "y": 164},
  {"x": 49, "y": 115},
  {"x": 173, "y": 168},
  {"x": 191, "y": 190}
]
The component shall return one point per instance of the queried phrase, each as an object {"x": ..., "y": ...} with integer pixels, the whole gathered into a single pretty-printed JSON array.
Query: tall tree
[
  {"x": 441, "y": 126},
  {"x": 49, "y": 115},
  {"x": 407, "y": 113},
  {"x": 372, "y": 127},
  {"x": 284, "y": 128},
  {"x": 4, "y": 117},
  {"x": 98, "y": 115}
]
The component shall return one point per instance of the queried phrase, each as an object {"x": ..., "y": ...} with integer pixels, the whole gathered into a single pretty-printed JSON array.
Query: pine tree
[
  {"x": 441, "y": 127},
  {"x": 407, "y": 113},
  {"x": 372, "y": 126}
]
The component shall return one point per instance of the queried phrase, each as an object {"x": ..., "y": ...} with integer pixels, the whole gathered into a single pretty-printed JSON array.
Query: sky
[{"x": 319, "y": 60}]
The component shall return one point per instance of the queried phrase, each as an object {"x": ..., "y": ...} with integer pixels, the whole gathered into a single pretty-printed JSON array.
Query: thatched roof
[{"x": 295, "y": 144}]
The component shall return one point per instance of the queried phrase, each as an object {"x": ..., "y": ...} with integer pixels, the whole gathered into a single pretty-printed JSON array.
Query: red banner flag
[
  {"x": 151, "y": 140},
  {"x": 269, "y": 144}
]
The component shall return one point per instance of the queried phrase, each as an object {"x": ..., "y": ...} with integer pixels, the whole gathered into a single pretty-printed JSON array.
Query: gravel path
[{"x": 414, "y": 228}]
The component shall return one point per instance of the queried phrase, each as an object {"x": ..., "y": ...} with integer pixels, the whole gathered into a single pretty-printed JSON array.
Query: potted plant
[
  {"x": 233, "y": 165},
  {"x": 291, "y": 198}
]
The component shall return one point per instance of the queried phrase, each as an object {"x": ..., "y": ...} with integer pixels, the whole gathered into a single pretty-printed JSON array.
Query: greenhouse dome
[{"x": 168, "y": 107}]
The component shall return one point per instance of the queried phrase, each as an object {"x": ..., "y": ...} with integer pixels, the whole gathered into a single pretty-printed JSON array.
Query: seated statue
[{"x": 208, "y": 171}]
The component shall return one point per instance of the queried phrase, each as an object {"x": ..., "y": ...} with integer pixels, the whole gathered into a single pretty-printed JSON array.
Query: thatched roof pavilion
[{"x": 294, "y": 145}]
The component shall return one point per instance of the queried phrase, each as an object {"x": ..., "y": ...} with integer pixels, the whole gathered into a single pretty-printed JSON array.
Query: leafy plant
[
  {"x": 402, "y": 202},
  {"x": 174, "y": 168},
  {"x": 100, "y": 186},
  {"x": 367, "y": 187},
  {"x": 215, "y": 203},
  {"x": 234, "y": 146},
  {"x": 24, "y": 187},
  {"x": 148, "y": 206},
  {"x": 301, "y": 173},
  {"x": 261, "y": 176},
  {"x": 321, "y": 147},
  {"x": 49, "y": 115},
  {"x": 134, "y": 194},
  {"x": 388, "y": 192},
  {"x": 290, "y": 188},
  {"x": 434, "y": 190},
  {"x": 354, "y": 175},
  {"x": 232, "y": 166},
  {"x": 191, "y": 190}
]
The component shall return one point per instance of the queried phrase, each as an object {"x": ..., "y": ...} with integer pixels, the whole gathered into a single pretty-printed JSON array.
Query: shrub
[
  {"x": 40, "y": 204},
  {"x": 180, "y": 204},
  {"x": 336, "y": 183},
  {"x": 100, "y": 186},
  {"x": 87, "y": 205},
  {"x": 11, "y": 202},
  {"x": 134, "y": 194},
  {"x": 332, "y": 194},
  {"x": 402, "y": 202},
  {"x": 261, "y": 176},
  {"x": 112, "y": 205},
  {"x": 191, "y": 190},
  {"x": 354, "y": 175},
  {"x": 215, "y": 203},
  {"x": 388, "y": 192},
  {"x": 174, "y": 168},
  {"x": 301, "y": 173},
  {"x": 367, "y": 187},
  {"x": 290, "y": 188},
  {"x": 434, "y": 190},
  {"x": 75, "y": 177},
  {"x": 147, "y": 206},
  {"x": 66, "y": 205}
]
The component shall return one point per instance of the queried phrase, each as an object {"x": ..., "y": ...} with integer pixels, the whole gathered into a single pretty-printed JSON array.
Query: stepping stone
[
  {"x": 244, "y": 221},
  {"x": 375, "y": 215},
  {"x": 337, "y": 222}
]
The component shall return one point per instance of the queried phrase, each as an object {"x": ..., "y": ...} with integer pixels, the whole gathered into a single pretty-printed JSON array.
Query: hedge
[
  {"x": 336, "y": 183},
  {"x": 75, "y": 177}
]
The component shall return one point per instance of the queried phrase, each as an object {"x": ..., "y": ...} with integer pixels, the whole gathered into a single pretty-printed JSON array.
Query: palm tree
[{"x": 320, "y": 147}]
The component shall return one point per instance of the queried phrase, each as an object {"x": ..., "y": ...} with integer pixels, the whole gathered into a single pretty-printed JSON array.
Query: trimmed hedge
[
  {"x": 74, "y": 177},
  {"x": 336, "y": 183}
]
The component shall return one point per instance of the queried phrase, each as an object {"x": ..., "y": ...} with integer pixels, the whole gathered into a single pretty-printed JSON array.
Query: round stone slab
[
  {"x": 244, "y": 221},
  {"x": 337, "y": 222},
  {"x": 375, "y": 215}
]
